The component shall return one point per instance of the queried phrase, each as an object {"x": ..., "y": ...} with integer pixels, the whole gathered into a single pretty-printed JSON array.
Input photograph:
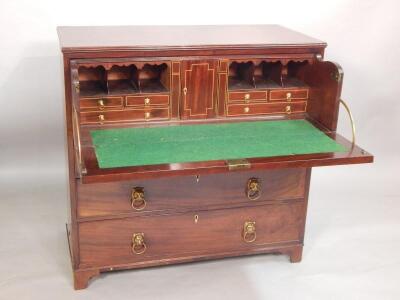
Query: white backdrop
[{"x": 358, "y": 207}]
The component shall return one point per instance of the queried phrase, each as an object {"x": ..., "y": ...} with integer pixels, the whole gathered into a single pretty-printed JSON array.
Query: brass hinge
[
  {"x": 77, "y": 86},
  {"x": 337, "y": 76},
  {"x": 238, "y": 164}
]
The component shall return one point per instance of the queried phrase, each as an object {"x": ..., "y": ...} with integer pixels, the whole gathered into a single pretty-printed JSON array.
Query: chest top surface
[{"x": 74, "y": 38}]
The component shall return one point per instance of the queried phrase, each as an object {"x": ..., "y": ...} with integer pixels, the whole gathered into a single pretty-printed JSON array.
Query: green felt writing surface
[{"x": 123, "y": 147}]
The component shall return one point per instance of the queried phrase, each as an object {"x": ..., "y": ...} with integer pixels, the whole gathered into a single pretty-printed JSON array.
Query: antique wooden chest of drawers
[{"x": 195, "y": 142}]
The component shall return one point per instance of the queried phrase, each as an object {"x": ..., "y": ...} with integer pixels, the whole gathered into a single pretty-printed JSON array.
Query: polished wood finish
[
  {"x": 143, "y": 76},
  {"x": 147, "y": 100},
  {"x": 135, "y": 114},
  {"x": 199, "y": 79},
  {"x": 235, "y": 110},
  {"x": 100, "y": 103},
  {"x": 181, "y": 235},
  {"x": 172, "y": 37},
  {"x": 188, "y": 192},
  {"x": 248, "y": 96},
  {"x": 289, "y": 95}
]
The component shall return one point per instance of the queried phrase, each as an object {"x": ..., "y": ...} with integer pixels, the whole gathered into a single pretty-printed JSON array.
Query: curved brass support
[
  {"x": 77, "y": 140},
  {"x": 353, "y": 127}
]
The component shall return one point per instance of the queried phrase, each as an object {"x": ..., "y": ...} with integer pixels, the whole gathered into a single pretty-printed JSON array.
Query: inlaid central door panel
[{"x": 199, "y": 82}]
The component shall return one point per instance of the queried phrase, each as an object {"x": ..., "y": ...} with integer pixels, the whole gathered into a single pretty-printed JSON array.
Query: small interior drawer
[
  {"x": 288, "y": 95},
  {"x": 144, "y": 114},
  {"x": 96, "y": 104},
  {"x": 234, "y": 110},
  {"x": 247, "y": 96},
  {"x": 147, "y": 100}
]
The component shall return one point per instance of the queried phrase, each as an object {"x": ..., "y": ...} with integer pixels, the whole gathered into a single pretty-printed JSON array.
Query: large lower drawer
[
  {"x": 189, "y": 192},
  {"x": 149, "y": 238}
]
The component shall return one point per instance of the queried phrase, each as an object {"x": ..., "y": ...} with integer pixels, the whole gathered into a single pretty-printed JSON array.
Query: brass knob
[
  {"x": 138, "y": 244},
  {"x": 101, "y": 118},
  {"x": 253, "y": 189},
  {"x": 288, "y": 109},
  {"x": 246, "y": 109},
  {"x": 246, "y": 96},
  {"x": 137, "y": 198},
  {"x": 249, "y": 231},
  {"x": 289, "y": 96},
  {"x": 147, "y": 101},
  {"x": 100, "y": 103},
  {"x": 146, "y": 115}
]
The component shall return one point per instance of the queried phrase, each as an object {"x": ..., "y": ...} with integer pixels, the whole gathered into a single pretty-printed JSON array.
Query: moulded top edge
[{"x": 94, "y": 38}]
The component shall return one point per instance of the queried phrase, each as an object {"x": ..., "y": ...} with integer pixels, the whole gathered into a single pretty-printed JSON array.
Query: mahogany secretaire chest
[{"x": 188, "y": 143}]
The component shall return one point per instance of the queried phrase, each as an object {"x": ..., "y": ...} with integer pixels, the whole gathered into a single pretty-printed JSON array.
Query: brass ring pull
[
  {"x": 138, "y": 201},
  {"x": 353, "y": 126},
  {"x": 101, "y": 104},
  {"x": 138, "y": 244},
  {"x": 249, "y": 231},
  {"x": 253, "y": 190}
]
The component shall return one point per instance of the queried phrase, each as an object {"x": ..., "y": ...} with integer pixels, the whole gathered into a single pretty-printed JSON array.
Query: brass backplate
[{"x": 238, "y": 164}]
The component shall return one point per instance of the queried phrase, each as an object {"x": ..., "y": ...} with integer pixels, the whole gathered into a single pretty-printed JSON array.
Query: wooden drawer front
[
  {"x": 234, "y": 110},
  {"x": 247, "y": 96},
  {"x": 98, "y": 104},
  {"x": 125, "y": 115},
  {"x": 185, "y": 193},
  {"x": 147, "y": 100},
  {"x": 109, "y": 242},
  {"x": 288, "y": 95}
]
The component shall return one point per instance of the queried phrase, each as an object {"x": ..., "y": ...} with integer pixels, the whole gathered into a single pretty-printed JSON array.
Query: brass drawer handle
[
  {"x": 147, "y": 115},
  {"x": 101, "y": 104},
  {"x": 147, "y": 101},
  {"x": 288, "y": 109},
  {"x": 246, "y": 96},
  {"x": 253, "y": 190},
  {"x": 249, "y": 231},
  {"x": 138, "y": 244},
  {"x": 137, "y": 198},
  {"x": 288, "y": 97},
  {"x": 101, "y": 119},
  {"x": 246, "y": 109}
]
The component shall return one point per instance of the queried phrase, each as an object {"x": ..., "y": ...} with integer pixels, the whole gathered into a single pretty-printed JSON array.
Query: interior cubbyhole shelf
[
  {"x": 92, "y": 81},
  {"x": 264, "y": 75},
  {"x": 126, "y": 79}
]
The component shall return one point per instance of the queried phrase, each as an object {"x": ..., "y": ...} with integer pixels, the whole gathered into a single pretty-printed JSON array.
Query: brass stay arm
[{"x": 353, "y": 126}]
